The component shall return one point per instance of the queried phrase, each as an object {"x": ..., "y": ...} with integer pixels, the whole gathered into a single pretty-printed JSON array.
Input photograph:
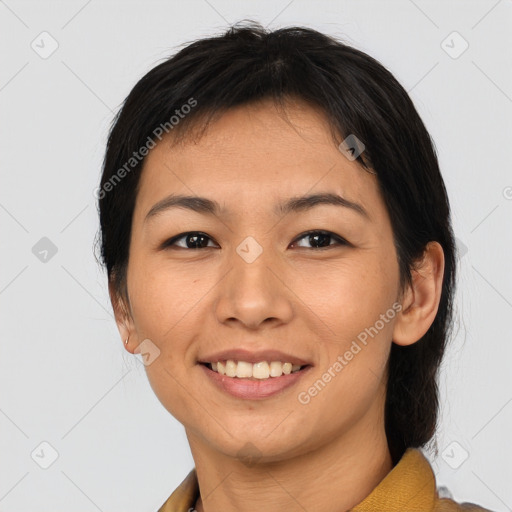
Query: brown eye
[
  {"x": 190, "y": 240},
  {"x": 321, "y": 239},
  {"x": 197, "y": 240}
]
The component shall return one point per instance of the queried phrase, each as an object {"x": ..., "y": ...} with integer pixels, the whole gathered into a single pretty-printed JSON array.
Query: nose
[{"x": 254, "y": 293}]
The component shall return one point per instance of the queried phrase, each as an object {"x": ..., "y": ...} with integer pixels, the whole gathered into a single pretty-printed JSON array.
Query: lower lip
[{"x": 254, "y": 389}]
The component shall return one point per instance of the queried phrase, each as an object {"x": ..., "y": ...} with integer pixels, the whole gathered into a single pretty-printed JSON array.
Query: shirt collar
[{"x": 410, "y": 486}]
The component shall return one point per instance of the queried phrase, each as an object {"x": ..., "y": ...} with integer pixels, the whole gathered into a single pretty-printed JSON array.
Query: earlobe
[
  {"x": 126, "y": 330},
  {"x": 123, "y": 319},
  {"x": 421, "y": 298}
]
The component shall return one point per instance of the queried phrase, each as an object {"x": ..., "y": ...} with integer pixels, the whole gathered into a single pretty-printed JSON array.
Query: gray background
[{"x": 65, "y": 378}]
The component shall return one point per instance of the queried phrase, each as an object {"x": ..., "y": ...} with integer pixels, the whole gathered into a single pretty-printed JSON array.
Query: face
[{"x": 312, "y": 280}]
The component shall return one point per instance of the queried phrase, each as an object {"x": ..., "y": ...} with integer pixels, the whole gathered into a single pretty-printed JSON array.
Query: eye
[
  {"x": 191, "y": 240},
  {"x": 199, "y": 240},
  {"x": 321, "y": 239}
]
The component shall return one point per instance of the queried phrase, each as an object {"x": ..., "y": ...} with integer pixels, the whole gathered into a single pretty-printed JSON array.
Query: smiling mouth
[{"x": 258, "y": 371}]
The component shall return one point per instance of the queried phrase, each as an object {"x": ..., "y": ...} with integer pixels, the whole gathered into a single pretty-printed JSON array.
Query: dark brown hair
[{"x": 360, "y": 97}]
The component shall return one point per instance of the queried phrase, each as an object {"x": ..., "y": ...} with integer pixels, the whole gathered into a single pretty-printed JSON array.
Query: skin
[{"x": 295, "y": 297}]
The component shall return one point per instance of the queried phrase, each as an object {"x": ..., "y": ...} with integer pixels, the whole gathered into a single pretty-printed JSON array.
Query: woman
[{"x": 278, "y": 244}]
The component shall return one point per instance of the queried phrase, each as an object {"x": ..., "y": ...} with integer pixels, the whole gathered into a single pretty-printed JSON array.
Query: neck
[{"x": 332, "y": 477}]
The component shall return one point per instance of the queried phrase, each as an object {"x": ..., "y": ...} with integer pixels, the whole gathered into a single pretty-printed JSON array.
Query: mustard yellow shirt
[{"x": 409, "y": 487}]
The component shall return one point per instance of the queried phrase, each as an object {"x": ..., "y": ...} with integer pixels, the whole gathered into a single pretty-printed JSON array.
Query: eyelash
[{"x": 341, "y": 241}]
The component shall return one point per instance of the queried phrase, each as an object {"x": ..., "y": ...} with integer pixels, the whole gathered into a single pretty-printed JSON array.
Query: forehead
[{"x": 252, "y": 154}]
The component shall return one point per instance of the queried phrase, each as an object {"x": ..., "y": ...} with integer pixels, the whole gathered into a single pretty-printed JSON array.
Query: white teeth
[
  {"x": 276, "y": 369},
  {"x": 261, "y": 370},
  {"x": 231, "y": 368},
  {"x": 243, "y": 369}
]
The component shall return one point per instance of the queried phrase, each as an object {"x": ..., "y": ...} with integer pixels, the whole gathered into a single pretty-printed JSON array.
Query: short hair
[{"x": 360, "y": 97}]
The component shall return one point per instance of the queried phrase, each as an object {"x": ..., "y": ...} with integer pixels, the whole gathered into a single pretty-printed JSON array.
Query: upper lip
[{"x": 253, "y": 356}]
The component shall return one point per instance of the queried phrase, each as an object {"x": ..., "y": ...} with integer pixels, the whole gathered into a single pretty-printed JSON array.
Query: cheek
[
  {"x": 162, "y": 297},
  {"x": 353, "y": 351},
  {"x": 163, "y": 302},
  {"x": 348, "y": 296},
  {"x": 354, "y": 316}
]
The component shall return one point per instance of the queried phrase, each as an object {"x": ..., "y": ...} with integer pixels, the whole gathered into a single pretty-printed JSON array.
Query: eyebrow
[{"x": 207, "y": 206}]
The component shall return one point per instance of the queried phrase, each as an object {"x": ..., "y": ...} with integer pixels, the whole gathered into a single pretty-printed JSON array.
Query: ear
[
  {"x": 421, "y": 299},
  {"x": 124, "y": 320}
]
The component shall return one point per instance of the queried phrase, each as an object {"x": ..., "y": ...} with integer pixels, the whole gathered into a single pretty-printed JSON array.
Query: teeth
[
  {"x": 261, "y": 370},
  {"x": 276, "y": 369},
  {"x": 243, "y": 369},
  {"x": 231, "y": 367}
]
